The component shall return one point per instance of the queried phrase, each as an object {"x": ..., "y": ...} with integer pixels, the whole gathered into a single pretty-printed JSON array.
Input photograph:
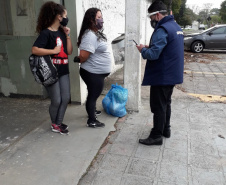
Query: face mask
[
  {"x": 64, "y": 21},
  {"x": 154, "y": 23},
  {"x": 100, "y": 23}
]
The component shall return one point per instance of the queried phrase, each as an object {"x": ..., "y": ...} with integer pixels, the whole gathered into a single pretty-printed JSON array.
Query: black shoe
[
  {"x": 97, "y": 112},
  {"x": 63, "y": 126},
  {"x": 167, "y": 133},
  {"x": 58, "y": 128},
  {"x": 95, "y": 124},
  {"x": 151, "y": 141}
]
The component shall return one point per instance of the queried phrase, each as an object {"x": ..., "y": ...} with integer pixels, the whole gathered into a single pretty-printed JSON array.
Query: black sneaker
[
  {"x": 97, "y": 112},
  {"x": 95, "y": 124},
  {"x": 63, "y": 126},
  {"x": 58, "y": 128}
]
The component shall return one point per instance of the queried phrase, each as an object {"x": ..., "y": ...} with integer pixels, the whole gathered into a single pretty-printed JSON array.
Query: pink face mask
[{"x": 100, "y": 23}]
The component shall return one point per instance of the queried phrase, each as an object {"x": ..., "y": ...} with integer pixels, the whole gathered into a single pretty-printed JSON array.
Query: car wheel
[{"x": 197, "y": 47}]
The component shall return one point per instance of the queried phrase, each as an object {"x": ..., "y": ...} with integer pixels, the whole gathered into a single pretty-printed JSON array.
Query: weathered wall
[{"x": 15, "y": 75}]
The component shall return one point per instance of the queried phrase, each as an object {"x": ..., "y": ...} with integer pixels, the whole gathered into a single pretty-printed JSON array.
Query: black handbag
[{"x": 43, "y": 69}]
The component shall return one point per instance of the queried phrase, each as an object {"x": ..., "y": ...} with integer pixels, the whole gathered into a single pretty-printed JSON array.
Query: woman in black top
[{"x": 54, "y": 40}]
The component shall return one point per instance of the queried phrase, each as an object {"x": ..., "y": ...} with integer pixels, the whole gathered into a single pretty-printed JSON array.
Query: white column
[
  {"x": 132, "y": 66},
  {"x": 75, "y": 14}
]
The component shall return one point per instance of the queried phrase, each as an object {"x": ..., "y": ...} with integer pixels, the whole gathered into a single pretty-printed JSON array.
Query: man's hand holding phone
[{"x": 139, "y": 47}]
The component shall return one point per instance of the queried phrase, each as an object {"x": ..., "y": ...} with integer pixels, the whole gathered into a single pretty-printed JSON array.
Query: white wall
[{"x": 114, "y": 18}]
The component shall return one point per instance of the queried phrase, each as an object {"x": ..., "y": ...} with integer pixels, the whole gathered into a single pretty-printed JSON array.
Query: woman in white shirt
[{"x": 95, "y": 61}]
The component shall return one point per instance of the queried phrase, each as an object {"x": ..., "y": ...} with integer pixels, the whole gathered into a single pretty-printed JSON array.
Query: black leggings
[{"x": 95, "y": 85}]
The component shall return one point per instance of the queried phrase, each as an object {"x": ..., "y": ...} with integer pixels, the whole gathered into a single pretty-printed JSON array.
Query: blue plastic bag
[{"x": 115, "y": 101}]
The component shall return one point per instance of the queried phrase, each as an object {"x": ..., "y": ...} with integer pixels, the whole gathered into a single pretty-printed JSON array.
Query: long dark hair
[
  {"x": 47, "y": 15},
  {"x": 89, "y": 22}
]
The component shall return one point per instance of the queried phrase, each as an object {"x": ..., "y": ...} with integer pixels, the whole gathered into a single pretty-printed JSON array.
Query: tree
[
  {"x": 179, "y": 16},
  {"x": 223, "y": 12},
  {"x": 189, "y": 12},
  {"x": 215, "y": 11},
  {"x": 215, "y": 19},
  {"x": 173, "y": 5},
  {"x": 205, "y": 13},
  {"x": 176, "y": 6},
  {"x": 185, "y": 15}
]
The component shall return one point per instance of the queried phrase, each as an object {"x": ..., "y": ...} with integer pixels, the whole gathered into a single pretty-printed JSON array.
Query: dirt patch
[
  {"x": 199, "y": 57},
  {"x": 209, "y": 98}
]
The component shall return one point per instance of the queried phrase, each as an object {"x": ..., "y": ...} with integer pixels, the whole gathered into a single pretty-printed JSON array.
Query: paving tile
[
  {"x": 220, "y": 142},
  {"x": 170, "y": 172},
  {"x": 179, "y": 116},
  {"x": 122, "y": 149},
  {"x": 204, "y": 148},
  {"x": 200, "y": 137},
  {"x": 210, "y": 163},
  {"x": 127, "y": 138},
  {"x": 104, "y": 177},
  {"x": 115, "y": 163},
  {"x": 180, "y": 158},
  {"x": 199, "y": 127},
  {"x": 135, "y": 180},
  {"x": 222, "y": 151},
  {"x": 202, "y": 176},
  {"x": 176, "y": 145},
  {"x": 171, "y": 183},
  {"x": 180, "y": 125},
  {"x": 178, "y": 135},
  {"x": 198, "y": 118},
  {"x": 148, "y": 152},
  {"x": 197, "y": 107},
  {"x": 142, "y": 167}
]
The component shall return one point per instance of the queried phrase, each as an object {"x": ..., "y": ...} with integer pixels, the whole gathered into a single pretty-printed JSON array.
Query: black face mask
[
  {"x": 153, "y": 23},
  {"x": 64, "y": 21}
]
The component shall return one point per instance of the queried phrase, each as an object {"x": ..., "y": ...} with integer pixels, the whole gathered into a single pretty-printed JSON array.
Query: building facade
[{"x": 17, "y": 35}]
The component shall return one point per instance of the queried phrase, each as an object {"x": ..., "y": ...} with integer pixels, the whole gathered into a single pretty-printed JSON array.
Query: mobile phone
[{"x": 135, "y": 42}]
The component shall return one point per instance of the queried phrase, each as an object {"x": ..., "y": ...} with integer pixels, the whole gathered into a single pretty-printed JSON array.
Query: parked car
[
  {"x": 212, "y": 38},
  {"x": 188, "y": 27},
  {"x": 202, "y": 27}
]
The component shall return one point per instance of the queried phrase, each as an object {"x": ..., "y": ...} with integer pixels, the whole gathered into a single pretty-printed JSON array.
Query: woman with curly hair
[
  {"x": 95, "y": 61},
  {"x": 54, "y": 40}
]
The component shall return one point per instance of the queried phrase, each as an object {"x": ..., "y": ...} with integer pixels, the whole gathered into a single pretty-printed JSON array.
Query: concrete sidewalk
[
  {"x": 31, "y": 154},
  {"x": 195, "y": 154}
]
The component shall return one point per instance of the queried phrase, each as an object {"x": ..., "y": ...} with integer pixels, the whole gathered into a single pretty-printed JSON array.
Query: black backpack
[{"x": 43, "y": 70}]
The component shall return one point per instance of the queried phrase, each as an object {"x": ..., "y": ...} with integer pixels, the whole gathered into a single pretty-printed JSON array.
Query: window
[
  {"x": 5, "y": 14},
  {"x": 219, "y": 31}
]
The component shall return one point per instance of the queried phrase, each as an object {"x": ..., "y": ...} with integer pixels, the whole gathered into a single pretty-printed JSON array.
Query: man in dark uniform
[{"x": 164, "y": 69}]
